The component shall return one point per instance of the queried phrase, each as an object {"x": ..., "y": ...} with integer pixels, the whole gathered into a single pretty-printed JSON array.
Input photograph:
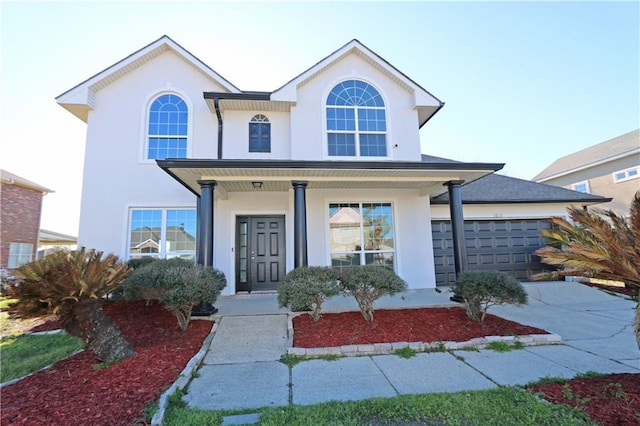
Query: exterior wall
[
  {"x": 503, "y": 211},
  {"x": 116, "y": 175},
  {"x": 412, "y": 233},
  {"x": 601, "y": 182},
  {"x": 236, "y": 135},
  {"x": 20, "y": 218},
  {"x": 308, "y": 117}
]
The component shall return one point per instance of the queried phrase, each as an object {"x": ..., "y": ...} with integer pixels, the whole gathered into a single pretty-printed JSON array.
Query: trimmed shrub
[
  {"x": 177, "y": 283},
  {"x": 119, "y": 293},
  {"x": 482, "y": 289},
  {"x": 368, "y": 283},
  {"x": 307, "y": 288}
]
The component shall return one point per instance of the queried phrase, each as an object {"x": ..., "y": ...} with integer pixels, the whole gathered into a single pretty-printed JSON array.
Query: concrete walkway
[{"x": 241, "y": 368}]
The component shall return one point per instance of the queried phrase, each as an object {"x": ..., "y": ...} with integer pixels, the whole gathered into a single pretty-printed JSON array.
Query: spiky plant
[
  {"x": 596, "y": 243},
  {"x": 71, "y": 284}
]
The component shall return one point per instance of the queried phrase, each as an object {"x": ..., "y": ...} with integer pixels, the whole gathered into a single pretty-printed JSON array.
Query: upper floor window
[
  {"x": 356, "y": 121},
  {"x": 627, "y": 174},
  {"x": 167, "y": 132},
  {"x": 581, "y": 187},
  {"x": 259, "y": 134}
]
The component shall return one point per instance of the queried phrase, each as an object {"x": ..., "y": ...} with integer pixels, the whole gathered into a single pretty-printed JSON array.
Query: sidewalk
[{"x": 241, "y": 368}]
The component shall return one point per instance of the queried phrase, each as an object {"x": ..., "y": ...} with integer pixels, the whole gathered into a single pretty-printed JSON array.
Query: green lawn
[
  {"x": 502, "y": 406},
  {"x": 27, "y": 353}
]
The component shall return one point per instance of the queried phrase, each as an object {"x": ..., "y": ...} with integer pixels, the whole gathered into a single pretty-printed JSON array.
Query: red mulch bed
[
  {"x": 73, "y": 393},
  {"x": 401, "y": 325},
  {"x": 613, "y": 399}
]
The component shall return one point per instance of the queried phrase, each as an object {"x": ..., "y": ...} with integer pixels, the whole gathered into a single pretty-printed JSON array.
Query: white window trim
[
  {"x": 144, "y": 122},
  {"x": 626, "y": 172},
  {"x": 19, "y": 259},
  {"x": 584, "y": 182},
  {"x": 353, "y": 200},
  {"x": 162, "y": 254},
  {"x": 325, "y": 133}
]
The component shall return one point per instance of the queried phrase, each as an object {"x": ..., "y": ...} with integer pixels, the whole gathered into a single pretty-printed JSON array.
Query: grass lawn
[
  {"x": 26, "y": 353},
  {"x": 502, "y": 406}
]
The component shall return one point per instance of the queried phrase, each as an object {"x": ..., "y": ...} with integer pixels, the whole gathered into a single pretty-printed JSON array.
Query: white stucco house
[{"x": 325, "y": 170}]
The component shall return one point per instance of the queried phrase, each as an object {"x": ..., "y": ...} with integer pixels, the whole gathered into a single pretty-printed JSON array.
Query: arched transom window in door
[{"x": 356, "y": 121}]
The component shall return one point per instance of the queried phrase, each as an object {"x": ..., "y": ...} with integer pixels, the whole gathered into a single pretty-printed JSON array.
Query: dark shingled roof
[{"x": 500, "y": 189}]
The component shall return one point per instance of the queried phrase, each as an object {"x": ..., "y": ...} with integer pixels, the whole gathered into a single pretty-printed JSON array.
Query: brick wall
[{"x": 20, "y": 210}]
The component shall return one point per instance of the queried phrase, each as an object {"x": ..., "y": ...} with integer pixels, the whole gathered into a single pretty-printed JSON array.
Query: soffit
[
  {"x": 250, "y": 105},
  {"x": 428, "y": 182}
]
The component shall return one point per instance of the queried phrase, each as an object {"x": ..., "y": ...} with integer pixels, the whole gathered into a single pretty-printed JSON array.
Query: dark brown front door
[{"x": 260, "y": 252}]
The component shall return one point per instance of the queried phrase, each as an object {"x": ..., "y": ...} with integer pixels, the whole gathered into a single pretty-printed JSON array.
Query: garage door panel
[{"x": 492, "y": 245}]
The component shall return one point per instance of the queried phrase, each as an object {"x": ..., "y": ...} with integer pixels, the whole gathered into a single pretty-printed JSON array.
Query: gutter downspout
[{"x": 216, "y": 106}]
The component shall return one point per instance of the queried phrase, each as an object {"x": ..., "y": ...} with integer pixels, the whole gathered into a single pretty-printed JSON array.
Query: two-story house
[
  {"x": 325, "y": 170},
  {"x": 610, "y": 168}
]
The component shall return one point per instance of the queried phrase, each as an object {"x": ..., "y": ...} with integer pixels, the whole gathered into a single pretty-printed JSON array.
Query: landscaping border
[
  {"x": 390, "y": 348},
  {"x": 184, "y": 378}
]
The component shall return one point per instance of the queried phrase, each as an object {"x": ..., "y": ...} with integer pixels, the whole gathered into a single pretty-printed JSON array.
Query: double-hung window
[
  {"x": 19, "y": 254},
  {"x": 162, "y": 233},
  {"x": 167, "y": 130},
  {"x": 361, "y": 234},
  {"x": 581, "y": 186},
  {"x": 356, "y": 121},
  {"x": 259, "y": 134}
]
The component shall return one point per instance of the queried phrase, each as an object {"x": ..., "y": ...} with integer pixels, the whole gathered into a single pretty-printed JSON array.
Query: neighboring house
[
  {"x": 325, "y": 170},
  {"x": 49, "y": 240},
  {"x": 20, "y": 211},
  {"x": 610, "y": 169}
]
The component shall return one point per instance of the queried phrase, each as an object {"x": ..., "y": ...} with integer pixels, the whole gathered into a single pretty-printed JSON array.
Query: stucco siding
[
  {"x": 116, "y": 174},
  {"x": 236, "y": 135},
  {"x": 502, "y": 211},
  {"x": 308, "y": 117}
]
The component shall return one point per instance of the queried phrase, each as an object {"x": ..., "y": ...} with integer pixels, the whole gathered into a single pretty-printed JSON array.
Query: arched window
[
  {"x": 259, "y": 134},
  {"x": 167, "y": 132},
  {"x": 356, "y": 120}
]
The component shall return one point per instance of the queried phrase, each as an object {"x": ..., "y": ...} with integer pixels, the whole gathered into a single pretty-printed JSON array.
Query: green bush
[
  {"x": 119, "y": 293},
  {"x": 307, "y": 288},
  {"x": 177, "y": 283},
  {"x": 368, "y": 283},
  {"x": 482, "y": 289}
]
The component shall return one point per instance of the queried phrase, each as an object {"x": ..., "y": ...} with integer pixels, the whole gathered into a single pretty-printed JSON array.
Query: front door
[{"x": 260, "y": 253}]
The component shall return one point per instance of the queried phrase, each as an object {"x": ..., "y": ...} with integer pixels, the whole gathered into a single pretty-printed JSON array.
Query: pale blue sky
[{"x": 523, "y": 83}]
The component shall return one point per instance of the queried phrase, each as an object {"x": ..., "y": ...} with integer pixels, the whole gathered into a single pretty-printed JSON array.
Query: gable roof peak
[{"x": 80, "y": 99}]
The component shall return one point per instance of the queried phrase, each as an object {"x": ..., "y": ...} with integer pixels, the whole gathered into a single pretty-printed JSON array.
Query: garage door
[{"x": 492, "y": 245}]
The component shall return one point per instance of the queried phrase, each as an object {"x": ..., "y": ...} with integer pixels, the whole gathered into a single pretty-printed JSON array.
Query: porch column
[
  {"x": 205, "y": 221},
  {"x": 198, "y": 228},
  {"x": 457, "y": 229},
  {"x": 299, "y": 223}
]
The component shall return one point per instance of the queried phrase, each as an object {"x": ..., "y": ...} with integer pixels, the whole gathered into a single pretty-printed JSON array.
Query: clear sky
[{"x": 524, "y": 83}]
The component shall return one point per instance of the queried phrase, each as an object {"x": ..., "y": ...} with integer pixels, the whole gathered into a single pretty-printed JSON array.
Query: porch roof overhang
[{"x": 276, "y": 175}]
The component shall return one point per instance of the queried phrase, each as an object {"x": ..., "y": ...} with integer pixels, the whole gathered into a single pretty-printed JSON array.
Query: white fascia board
[
  {"x": 590, "y": 165},
  {"x": 83, "y": 93},
  {"x": 288, "y": 92}
]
